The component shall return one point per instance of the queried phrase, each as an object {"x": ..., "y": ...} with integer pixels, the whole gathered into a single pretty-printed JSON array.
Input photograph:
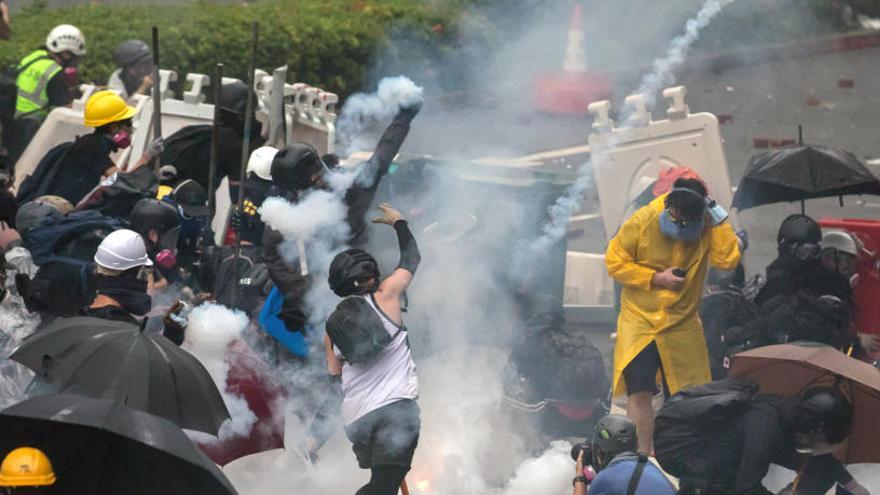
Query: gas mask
[
  {"x": 71, "y": 75},
  {"x": 835, "y": 260},
  {"x": 166, "y": 246},
  {"x": 122, "y": 139},
  {"x": 680, "y": 229}
]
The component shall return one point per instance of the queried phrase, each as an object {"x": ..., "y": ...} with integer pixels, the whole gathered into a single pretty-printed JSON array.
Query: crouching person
[{"x": 367, "y": 345}]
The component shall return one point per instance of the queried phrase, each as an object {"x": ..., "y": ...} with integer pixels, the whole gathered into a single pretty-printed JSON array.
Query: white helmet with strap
[
  {"x": 66, "y": 38},
  {"x": 260, "y": 162},
  {"x": 121, "y": 250}
]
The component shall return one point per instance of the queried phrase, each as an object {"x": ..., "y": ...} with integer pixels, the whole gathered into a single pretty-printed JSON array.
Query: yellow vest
[{"x": 36, "y": 70}]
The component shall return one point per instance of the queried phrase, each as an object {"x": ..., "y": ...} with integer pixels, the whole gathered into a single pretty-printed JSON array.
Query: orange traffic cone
[{"x": 572, "y": 89}]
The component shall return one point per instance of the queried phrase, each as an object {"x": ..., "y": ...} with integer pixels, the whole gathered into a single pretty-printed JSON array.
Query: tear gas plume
[
  {"x": 16, "y": 323},
  {"x": 361, "y": 110},
  {"x": 210, "y": 330},
  {"x": 663, "y": 73}
]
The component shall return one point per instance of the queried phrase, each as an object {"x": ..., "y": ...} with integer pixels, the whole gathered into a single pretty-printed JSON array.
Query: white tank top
[{"x": 388, "y": 377}]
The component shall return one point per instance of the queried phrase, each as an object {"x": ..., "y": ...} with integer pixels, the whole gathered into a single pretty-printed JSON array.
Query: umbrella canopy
[
  {"x": 790, "y": 369},
  {"x": 106, "y": 359},
  {"x": 102, "y": 447},
  {"x": 803, "y": 172}
]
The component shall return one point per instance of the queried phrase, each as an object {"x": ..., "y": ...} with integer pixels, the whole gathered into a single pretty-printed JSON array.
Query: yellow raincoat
[{"x": 651, "y": 314}]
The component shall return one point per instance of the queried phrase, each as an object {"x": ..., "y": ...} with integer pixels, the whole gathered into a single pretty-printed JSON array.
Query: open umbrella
[
  {"x": 800, "y": 173},
  {"x": 790, "y": 369},
  {"x": 107, "y": 359},
  {"x": 102, "y": 447}
]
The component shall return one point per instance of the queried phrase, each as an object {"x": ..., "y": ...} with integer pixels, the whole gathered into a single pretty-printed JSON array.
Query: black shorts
[
  {"x": 387, "y": 436},
  {"x": 640, "y": 374}
]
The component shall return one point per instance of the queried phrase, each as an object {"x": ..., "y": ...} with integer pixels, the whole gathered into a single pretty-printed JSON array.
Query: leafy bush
[{"x": 327, "y": 43}]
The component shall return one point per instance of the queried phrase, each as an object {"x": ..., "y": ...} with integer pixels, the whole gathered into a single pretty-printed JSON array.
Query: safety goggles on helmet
[
  {"x": 682, "y": 222},
  {"x": 806, "y": 251}
]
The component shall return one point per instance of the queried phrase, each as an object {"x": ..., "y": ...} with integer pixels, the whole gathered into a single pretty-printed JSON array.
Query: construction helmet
[
  {"x": 798, "y": 229},
  {"x": 106, "y": 107},
  {"x": 66, "y": 38},
  {"x": 260, "y": 162},
  {"x": 121, "y": 250},
  {"x": 35, "y": 213},
  {"x": 26, "y": 466},
  {"x": 844, "y": 242},
  {"x": 233, "y": 97},
  {"x": 613, "y": 434},
  {"x": 349, "y": 269},
  {"x": 824, "y": 415},
  {"x": 130, "y": 52},
  {"x": 293, "y": 167}
]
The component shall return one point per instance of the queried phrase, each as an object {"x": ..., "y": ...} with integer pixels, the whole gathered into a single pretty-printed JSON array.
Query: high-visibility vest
[{"x": 35, "y": 72}]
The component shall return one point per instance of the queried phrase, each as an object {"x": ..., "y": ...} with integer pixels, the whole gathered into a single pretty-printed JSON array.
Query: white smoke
[
  {"x": 361, "y": 110},
  {"x": 211, "y": 329},
  {"x": 662, "y": 74}
]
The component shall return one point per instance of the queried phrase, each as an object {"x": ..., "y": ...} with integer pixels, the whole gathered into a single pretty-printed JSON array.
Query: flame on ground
[{"x": 423, "y": 486}]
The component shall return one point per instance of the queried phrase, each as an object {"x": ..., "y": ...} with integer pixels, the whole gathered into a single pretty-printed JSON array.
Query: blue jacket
[{"x": 615, "y": 478}]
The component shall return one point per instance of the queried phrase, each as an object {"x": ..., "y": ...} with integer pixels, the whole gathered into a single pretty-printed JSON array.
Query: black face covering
[{"x": 128, "y": 291}]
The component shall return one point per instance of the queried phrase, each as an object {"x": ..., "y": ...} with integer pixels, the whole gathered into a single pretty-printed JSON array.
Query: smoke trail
[
  {"x": 360, "y": 110},
  {"x": 210, "y": 330},
  {"x": 662, "y": 74}
]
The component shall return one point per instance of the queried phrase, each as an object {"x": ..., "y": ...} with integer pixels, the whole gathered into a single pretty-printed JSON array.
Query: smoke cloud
[
  {"x": 211, "y": 329},
  {"x": 362, "y": 110}
]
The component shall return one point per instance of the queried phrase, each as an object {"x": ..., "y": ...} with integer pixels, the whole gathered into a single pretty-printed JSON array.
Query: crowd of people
[{"x": 80, "y": 237}]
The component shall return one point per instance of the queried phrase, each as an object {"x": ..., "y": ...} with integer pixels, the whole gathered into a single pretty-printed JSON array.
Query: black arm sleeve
[
  {"x": 360, "y": 197},
  {"x": 409, "y": 250}
]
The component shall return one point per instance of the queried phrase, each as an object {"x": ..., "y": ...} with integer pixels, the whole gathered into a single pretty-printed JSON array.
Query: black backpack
[
  {"x": 684, "y": 423},
  {"x": 357, "y": 330},
  {"x": 39, "y": 182},
  {"x": 188, "y": 150}
]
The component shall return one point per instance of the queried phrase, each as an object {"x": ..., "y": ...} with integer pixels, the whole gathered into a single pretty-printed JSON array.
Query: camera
[{"x": 586, "y": 448}]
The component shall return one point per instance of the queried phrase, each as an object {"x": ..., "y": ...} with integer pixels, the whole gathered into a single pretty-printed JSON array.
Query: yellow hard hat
[
  {"x": 106, "y": 107},
  {"x": 26, "y": 466}
]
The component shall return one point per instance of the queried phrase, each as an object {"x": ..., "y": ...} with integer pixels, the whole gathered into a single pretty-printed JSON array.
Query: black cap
[{"x": 191, "y": 197}]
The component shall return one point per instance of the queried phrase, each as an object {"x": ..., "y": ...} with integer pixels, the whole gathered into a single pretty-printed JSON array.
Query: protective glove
[
  {"x": 855, "y": 488},
  {"x": 175, "y": 323},
  {"x": 238, "y": 220},
  {"x": 389, "y": 215},
  {"x": 743, "y": 237},
  {"x": 155, "y": 148}
]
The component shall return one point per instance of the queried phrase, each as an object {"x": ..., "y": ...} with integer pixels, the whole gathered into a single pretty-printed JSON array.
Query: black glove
[{"x": 412, "y": 109}]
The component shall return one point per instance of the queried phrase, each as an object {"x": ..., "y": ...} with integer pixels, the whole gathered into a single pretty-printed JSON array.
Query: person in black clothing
[
  {"x": 122, "y": 273},
  {"x": 723, "y": 306},
  {"x": 798, "y": 267},
  {"x": 298, "y": 169},
  {"x": 794, "y": 432},
  {"x": 189, "y": 149}
]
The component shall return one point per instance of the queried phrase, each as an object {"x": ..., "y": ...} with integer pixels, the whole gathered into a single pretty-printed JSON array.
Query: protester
[
  {"x": 730, "y": 448},
  {"x": 135, "y": 73},
  {"x": 367, "y": 346},
  {"x": 615, "y": 466},
  {"x": 257, "y": 187},
  {"x": 189, "y": 149},
  {"x": 46, "y": 79},
  {"x": 158, "y": 223},
  {"x": 71, "y": 170},
  {"x": 724, "y": 306},
  {"x": 190, "y": 200},
  {"x": 661, "y": 256},
  {"x": 122, "y": 272},
  {"x": 26, "y": 471}
]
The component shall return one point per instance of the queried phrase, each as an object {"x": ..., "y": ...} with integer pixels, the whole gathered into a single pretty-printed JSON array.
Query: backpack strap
[
  {"x": 637, "y": 474},
  {"x": 400, "y": 328}
]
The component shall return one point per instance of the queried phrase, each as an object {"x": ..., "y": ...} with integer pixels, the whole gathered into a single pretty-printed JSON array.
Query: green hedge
[{"x": 327, "y": 43}]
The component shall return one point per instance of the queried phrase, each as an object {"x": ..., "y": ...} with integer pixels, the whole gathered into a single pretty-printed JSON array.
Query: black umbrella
[
  {"x": 102, "y": 447},
  {"x": 800, "y": 173},
  {"x": 107, "y": 359}
]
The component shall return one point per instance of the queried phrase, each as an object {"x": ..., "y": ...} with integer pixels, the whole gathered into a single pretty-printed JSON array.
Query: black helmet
[
  {"x": 151, "y": 214},
  {"x": 293, "y": 167},
  {"x": 33, "y": 213},
  {"x": 233, "y": 97},
  {"x": 614, "y": 434},
  {"x": 130, "y": 52},
  {"x": 350, "y": 267},
  {"x": 798, "y": 229},
  {"x": 824, "y": 410}
]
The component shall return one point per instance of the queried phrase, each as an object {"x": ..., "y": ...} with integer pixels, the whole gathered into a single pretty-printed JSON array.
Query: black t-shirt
[{"x": 81, "y": 170}]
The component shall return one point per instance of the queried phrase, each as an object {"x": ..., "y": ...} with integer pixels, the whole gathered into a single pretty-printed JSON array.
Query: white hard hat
[
  {"x": 65, "y": 37},
  {"x": 842, "y": 241},
  {"x": 121, "y": 250},
  {"x": 260, "y": 162}
]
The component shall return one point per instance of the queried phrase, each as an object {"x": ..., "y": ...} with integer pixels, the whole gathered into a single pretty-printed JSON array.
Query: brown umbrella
[{"x": 790, "y": 369}]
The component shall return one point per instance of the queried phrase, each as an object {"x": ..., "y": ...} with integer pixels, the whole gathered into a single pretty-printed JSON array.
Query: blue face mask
[{"x": 671, "y": 229}]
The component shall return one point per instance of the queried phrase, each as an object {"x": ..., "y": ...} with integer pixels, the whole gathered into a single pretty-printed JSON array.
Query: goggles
[{"x": 806, "y": 251}]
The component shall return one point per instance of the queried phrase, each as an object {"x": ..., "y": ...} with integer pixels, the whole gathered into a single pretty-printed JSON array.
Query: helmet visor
[{"x": 806, "y": 251}]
